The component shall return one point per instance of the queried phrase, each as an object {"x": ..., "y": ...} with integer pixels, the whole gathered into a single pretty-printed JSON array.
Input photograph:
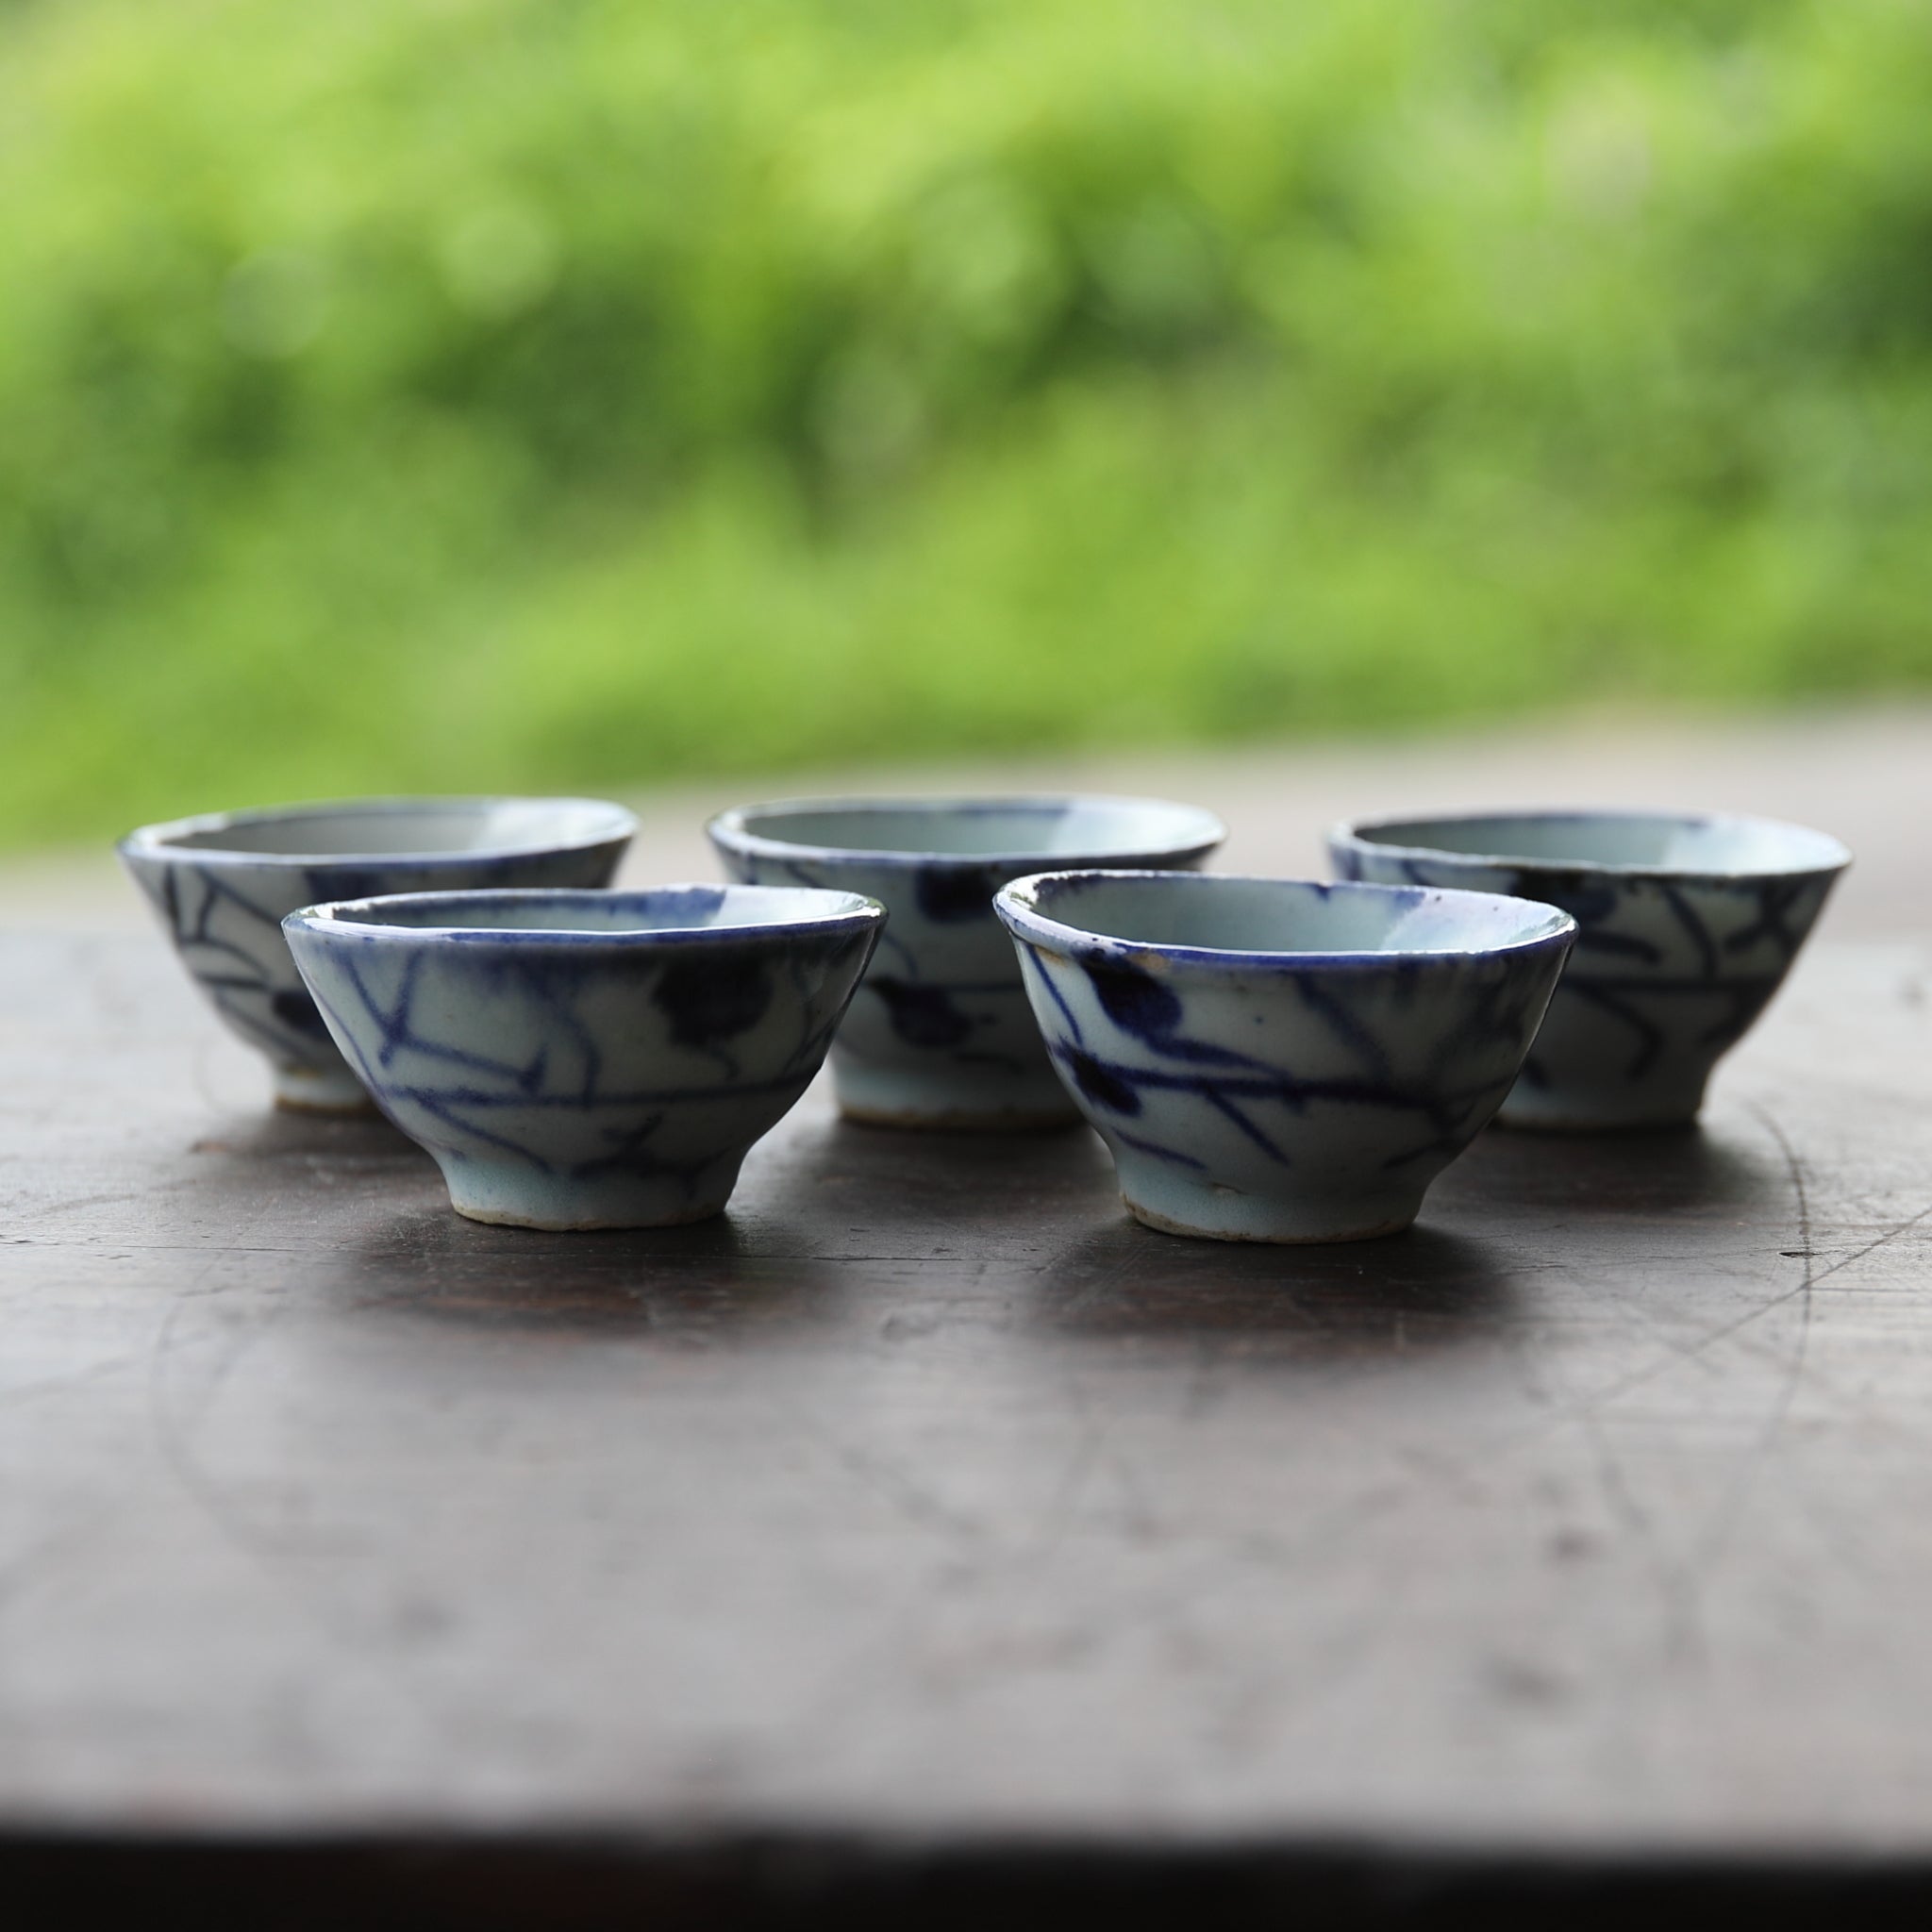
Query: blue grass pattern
[
  {"x": 1735, "y": 942},
  {"x": 244, "y": 968},
  {"x": 974, "y": 1022},
  {"x": 230, "y": 937},
  {"x": 471, "y": 1104},
  {"x": 1153, "y": 1054}
]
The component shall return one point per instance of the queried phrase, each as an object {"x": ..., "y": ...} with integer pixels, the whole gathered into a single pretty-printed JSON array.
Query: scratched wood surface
[{"x": 927, "y": 1496}]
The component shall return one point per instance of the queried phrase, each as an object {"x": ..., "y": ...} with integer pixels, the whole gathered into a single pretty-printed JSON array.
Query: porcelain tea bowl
[
  {"x": 1280, "y": 1060},
  {"x": 1688, "y": 925},
  {"x": 940, "y": 1035},
  {"x": 586, "y": 1060},
  {"x": 223, "y": 883}
]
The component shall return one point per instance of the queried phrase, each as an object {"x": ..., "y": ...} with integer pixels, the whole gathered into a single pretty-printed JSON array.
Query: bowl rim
[
  {"x": 1352, "y": 834},
  {"x": 161, "y": 840},
  {"x": 729, "y": 832},
  {"x": 1024, "y": 922},
  {"x": 849, "y": 912}
]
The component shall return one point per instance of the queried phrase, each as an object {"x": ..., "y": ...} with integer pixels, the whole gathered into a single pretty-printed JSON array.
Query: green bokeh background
[{"x": 506, "y": 393}]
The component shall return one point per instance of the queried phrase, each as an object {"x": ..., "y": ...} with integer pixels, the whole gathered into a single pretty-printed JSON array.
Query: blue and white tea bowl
[
  {"x": 1277, "y": 1059},
  {"x": 223, "y": 883},
  {"x": 941, "y": 1033},
  {"x": 586, "y": 1060},
  {"x": 1688, "y": 925}
]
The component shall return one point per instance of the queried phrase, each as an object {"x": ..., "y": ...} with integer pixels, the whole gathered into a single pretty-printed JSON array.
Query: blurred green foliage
[{"x": 561, "y": 393}]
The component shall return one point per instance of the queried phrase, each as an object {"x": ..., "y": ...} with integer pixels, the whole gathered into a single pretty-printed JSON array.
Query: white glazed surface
[
  {"x": 941, "y": 1034},
  {"x": 1687, "y": 926},
  {"x": 221, "y": 885},
  {"x": 1281, "y": 1061},
  {"x": 580, "y": 1060}
]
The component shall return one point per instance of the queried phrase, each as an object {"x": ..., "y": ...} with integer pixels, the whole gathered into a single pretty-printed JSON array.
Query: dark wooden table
[{"x": 926, "y": 1543}]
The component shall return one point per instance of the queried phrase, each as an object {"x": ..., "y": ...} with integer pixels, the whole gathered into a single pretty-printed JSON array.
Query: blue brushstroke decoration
[
  {"x": 1284, "y": 1061},
  {"x": 941, "y": 1034},
  {"x": 222, "y": 884},
  {"x": 1689, "y": 924},
  {"x": 586, "y": 1060}
]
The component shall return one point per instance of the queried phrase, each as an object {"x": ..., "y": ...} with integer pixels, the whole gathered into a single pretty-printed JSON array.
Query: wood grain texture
[{"x": 928, "y": 1499}]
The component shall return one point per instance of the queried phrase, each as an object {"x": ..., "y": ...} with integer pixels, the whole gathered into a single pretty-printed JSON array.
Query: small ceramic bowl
[
  {"x": 222, "y": 884},
  {"x": 1275, "y": 1060},
  {"x": 586, "y": 1060},
  {"x": 1688, "y": 924},
  {"x": 940, "y": 1035}
]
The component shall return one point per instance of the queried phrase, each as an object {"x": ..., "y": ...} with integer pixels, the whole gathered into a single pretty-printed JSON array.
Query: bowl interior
[
  {"x": 666, "y": 911},
  {"x": 1656, "y": 841},
  {"x": 393, "y": 828},
  {"x": 1043, "y": 828},
  {"x": 1210, "y": 913}
]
